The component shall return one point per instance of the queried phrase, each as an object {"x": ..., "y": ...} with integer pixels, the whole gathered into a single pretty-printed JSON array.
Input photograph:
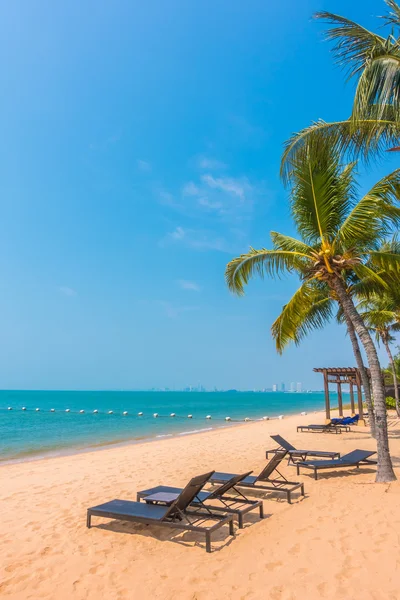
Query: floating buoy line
[{"x": 155, "y": 415}]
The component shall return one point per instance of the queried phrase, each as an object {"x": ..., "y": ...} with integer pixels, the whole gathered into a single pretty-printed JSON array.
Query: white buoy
[
  {"x": 9, "y": 408},
  {"x": 52, "y": 410},
  {"x": 281, "y": 417},
  {"x": 208, "y": 417},
  {"x": 67, "y": 410},
  {"x": 172, "y": 415},
  {"x": 303, "y": 414},
  {"x": 37, "y": 409},
  {"x": 155, "y": 415},
  {"x": 95, "y": 411},
  {"x": 23, "y": 408},
  {"x": 81, "y": 411},
  {"x": 140, "y": 414},
  {"x": 227, "y": 418},
  {"x": 125, "y": 412},
  {"x": 265, "y": 418},
  {"x": 110, "y": 412},
  {"x": 190, "y": 416}
]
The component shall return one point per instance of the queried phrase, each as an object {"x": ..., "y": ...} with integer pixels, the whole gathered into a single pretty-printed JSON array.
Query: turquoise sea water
[{"x": 25, "y": 434}]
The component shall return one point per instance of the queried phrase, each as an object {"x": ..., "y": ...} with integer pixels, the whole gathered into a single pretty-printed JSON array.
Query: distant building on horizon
[
  {"x": 282, "y": 387},
  {"x": 299, "y": 387},
  {"x": 275, "y": 387},
  {"x": 292, "y": 386}
]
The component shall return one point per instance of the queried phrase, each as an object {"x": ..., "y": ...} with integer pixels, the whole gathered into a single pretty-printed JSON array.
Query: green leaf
[
  {"x": 354, "y": 44},
  {"x": 311, "y": 307},
  {"x": 259, "y": 262}
]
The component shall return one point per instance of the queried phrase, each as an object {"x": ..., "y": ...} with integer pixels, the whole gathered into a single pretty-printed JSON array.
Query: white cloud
[
  {"x": 237, "y": 187},
  {"x": 173, "y": 311},
  {"x": 189, "y": 285},
  {"x": 210, "y": 163},
  {"x": 67, "y": 291},
  {"x": 197, "y": 239},
  {"x": 144, "y": 166},
  {"x": 190, "y": 189}
]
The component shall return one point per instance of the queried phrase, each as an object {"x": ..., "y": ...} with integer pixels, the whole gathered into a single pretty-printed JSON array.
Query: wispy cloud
[
  {"x": 197, "y": 239},
  {"x": 230, "y": 185},
  {"x": 189, "y": 285},
  {"x": 173, "y": 311},
  {"x": 190, "y": 189},
  {"x": 203, "y": 162},
  {"x": 67, "y": 291},
  {"x": 104, "y": 144},
  {"x": 144, "y": 166}
]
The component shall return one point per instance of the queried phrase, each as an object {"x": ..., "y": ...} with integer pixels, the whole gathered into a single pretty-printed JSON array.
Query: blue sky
[{"x": 140, "y": 152}]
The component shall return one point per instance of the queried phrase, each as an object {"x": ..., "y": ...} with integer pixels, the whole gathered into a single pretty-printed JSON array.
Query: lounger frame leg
[
  {"x": 88, "y": 520},
  {"x": 231, "y": 528},
  {"x": 315, "y": 473},
  {"x": 302, "y": 490},
  {"x": 289, "y": 497},
  {"x": 208, "y": 541},
  {"x": 240, "y": 521},
  {"x": 261, "y": 511}
]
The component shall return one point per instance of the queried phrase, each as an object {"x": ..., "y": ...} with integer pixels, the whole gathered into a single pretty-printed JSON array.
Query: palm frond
[
  {"x": 364, "y": 272},
  {"x": 322, "y": 193},
  {"x": 354, "y": 44},
  {"x": 365, "y": 138},
  {"x": 379, "y": 85},
  {"x": 260, "y": 262},
  {"x": 311, "y": 307},
  {"x": 375, "y": 215},
  {"x": 393, "y": 17},
  {"x": 289, "y": 244},
  {"x": 388, "y": 262}
]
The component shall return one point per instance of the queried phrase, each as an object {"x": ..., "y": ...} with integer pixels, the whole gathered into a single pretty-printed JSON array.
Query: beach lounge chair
[
  {"x": 173, "y": 512},
  {"x": 237, "y": 505},
  {"x": 328, "y": 428},
  {"x": 293, "y": 452},
  {"x": 263, "y": 482},
  {"x": 345, "y": 421},
  {"x": 352, "y": 459}
]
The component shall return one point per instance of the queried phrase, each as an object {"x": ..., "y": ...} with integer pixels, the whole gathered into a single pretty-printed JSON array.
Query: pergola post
[
  {"x": 340, "y": 376},
  {"x": 327, "y": 402},
  {"x": 361, "y": 421},
  {"x": 352, "y": 398},
  {"x": 340, "y": 401}
]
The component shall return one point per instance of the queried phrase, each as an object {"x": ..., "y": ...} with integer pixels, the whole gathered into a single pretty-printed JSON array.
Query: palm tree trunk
[
  {"x": 396, "y": 388},
  {"x": 384, "y": 471},
  {"x": 363, "y": 374}
]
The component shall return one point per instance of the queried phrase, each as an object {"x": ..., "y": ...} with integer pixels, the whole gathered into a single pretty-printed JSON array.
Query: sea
[{"x": 37, "y": 424}]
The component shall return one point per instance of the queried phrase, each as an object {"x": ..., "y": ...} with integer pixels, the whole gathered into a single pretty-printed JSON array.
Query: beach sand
[{"x": 340, "y": 541}]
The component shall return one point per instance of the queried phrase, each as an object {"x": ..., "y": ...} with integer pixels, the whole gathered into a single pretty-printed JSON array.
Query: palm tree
[
  {"x": 382, "y": 315},
  {"x": 374, "y": 61},
  {"x": 339, "y": 236},
  {"x": 313, "y": 310}
]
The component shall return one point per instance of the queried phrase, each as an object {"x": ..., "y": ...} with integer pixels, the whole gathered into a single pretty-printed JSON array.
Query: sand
[{"x": 340, "y": 541}]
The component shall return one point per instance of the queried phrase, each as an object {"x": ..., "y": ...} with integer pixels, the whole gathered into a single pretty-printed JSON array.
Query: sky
[{"x": 140, "y": 151}]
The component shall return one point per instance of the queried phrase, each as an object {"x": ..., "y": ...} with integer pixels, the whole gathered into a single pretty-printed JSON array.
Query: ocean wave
[{"x": 195, "y": 431}]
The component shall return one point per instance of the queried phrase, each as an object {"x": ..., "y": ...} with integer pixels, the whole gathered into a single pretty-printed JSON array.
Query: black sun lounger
[
  {"x": 299, "y": 454},
  {"x": 263, "y": 481},
  {"x": 328, "y": 428},
  {"x": 174, "y": 513},
  {"x": 237, "y": 504},
  {"x": 352, "y": 459}
]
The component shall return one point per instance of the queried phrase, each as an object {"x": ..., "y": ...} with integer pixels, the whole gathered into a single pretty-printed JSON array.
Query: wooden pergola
[{"x": 341, "y": 376}]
